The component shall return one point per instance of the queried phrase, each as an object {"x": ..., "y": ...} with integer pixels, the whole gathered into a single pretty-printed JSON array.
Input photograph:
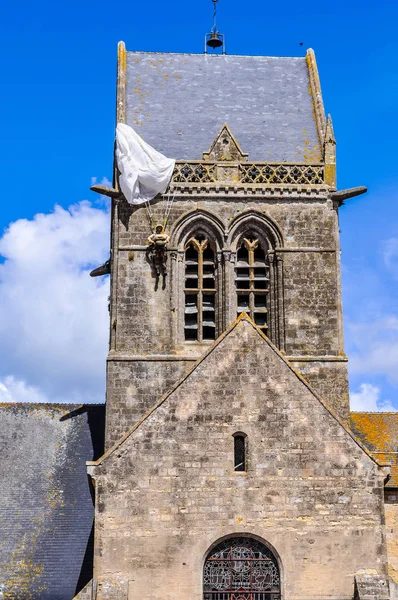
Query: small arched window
[
  {"x": 252, "y": 280},
  {"x": 200, "y": 289},
  {"x": 239, "y": 451}
]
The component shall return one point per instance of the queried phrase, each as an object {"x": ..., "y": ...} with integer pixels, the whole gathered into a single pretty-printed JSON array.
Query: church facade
[
  {"x": 231, "y": 469},
  {"x": 230, "y": 466}
]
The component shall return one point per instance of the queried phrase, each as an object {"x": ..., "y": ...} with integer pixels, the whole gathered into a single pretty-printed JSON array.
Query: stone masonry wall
[
  {"x": 391, "y": 508},
  {"x": 143, "y": 316},
  {"x": 170, "y": 491},
  {"x": 329, "y": 379},
  {"x": 133, "y": 388},
  {"x": 148, "y": 321}
]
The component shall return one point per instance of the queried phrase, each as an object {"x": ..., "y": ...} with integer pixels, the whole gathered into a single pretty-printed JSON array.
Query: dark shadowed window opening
[
  {"x": 241, "y": 568},
  {"x": 252, "y": 281},
  {"x": 239, "y": 452},
  {"x": 200, "y": 290}
]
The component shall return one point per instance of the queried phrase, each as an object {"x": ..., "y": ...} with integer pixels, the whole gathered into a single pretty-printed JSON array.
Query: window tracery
[
  {"x": 245, "y": 264},
  {"x": 200, "y": 290},
  {"x": 252, "y": 280}
]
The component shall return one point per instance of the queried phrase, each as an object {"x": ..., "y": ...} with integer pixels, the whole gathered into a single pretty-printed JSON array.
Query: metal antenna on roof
[{"x": 214, "y": 39}]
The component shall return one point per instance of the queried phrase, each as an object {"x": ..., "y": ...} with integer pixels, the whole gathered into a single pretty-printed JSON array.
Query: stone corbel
[
  {"x": 228, "y": 256},
  {"x": 339, "y": 197},
  {"x": 106, "y": 191}
]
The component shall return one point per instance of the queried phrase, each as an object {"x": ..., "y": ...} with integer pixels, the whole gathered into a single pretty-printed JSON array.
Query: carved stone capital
[{"x": 271, "y": 256}]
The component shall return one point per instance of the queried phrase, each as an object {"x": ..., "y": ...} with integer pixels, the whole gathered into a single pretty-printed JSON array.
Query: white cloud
[
  {"x": 374, "y": 345},
  {"x": 104, "y": 181},
  {"x": 368, "y": 400},
  {"x": 13, "y": 390},
  {"x": 53, "y": 316},
  {"x": 390, "y": 254}
]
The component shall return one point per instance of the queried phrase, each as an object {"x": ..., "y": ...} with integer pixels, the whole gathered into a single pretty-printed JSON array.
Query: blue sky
[{"x": 57, "y": 124}]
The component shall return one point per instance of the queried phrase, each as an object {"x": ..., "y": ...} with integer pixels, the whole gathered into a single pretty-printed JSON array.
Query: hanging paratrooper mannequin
[{"x": 157, "y": 250}]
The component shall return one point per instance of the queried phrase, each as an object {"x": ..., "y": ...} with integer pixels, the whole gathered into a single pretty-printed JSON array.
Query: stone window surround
[
  {"x": 226, "y": 242},
  {"x": 241, "y": 437}
]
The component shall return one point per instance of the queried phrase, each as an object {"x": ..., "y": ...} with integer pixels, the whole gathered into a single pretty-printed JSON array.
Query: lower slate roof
[
  {"x": 179, "y": 102},
  {"x": 46, "y": 507},
  {"x": 379, "y": 432}
]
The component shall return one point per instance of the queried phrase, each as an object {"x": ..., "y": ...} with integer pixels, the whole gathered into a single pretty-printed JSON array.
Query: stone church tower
[
  {"x": 256, "y": 161},
  {"x": 231, "y": 471}
]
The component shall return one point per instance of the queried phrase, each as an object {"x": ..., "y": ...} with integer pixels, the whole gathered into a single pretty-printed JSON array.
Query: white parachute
[{"x": 144, "y": 172}]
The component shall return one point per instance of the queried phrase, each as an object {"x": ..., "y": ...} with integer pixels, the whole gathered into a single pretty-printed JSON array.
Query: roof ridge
[
  {"x": 374, "y": 412},
  {"x": 211, "y": 55}
]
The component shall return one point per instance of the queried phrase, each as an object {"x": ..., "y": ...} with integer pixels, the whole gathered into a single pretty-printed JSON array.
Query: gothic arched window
[
  {"x": 252, "y": 280},
  {"x": 241, "y": 568},
  {"x": 200, "y": 289}
]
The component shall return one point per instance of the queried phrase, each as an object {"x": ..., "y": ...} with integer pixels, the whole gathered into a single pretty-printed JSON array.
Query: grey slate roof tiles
[
  {"x": 178, "y": 103},
  {"x": 46, "y": 508}
]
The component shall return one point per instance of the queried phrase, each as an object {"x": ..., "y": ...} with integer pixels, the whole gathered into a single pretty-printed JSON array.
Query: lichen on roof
[{"x": 379, "y": 432}]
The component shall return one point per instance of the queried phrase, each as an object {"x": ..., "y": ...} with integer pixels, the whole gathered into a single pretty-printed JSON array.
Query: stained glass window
[{"x": 241, "y": 569}]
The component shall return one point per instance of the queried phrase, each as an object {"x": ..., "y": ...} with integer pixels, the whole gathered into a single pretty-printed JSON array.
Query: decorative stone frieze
[{"x": 238, "y": 177}]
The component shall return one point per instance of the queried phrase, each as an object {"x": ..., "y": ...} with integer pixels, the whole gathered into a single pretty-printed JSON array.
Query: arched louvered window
[
  {"x": 241, "y": 568},
  {"x": 200, "y": 289},
  {"x": 252, "y": 280}
]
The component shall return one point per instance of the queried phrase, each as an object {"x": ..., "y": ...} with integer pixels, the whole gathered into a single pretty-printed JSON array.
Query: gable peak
[{"x": 225, "y": 147}]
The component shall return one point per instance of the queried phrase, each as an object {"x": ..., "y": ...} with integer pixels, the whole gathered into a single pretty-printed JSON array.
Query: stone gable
[{"x": 168, "y": 490}]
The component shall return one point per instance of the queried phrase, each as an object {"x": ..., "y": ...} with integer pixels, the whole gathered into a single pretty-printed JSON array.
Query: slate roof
[
  {"x": 379, "y": 432},
  {"x": 46, "y": 508},
  {"x": 178, "y": 103}
]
